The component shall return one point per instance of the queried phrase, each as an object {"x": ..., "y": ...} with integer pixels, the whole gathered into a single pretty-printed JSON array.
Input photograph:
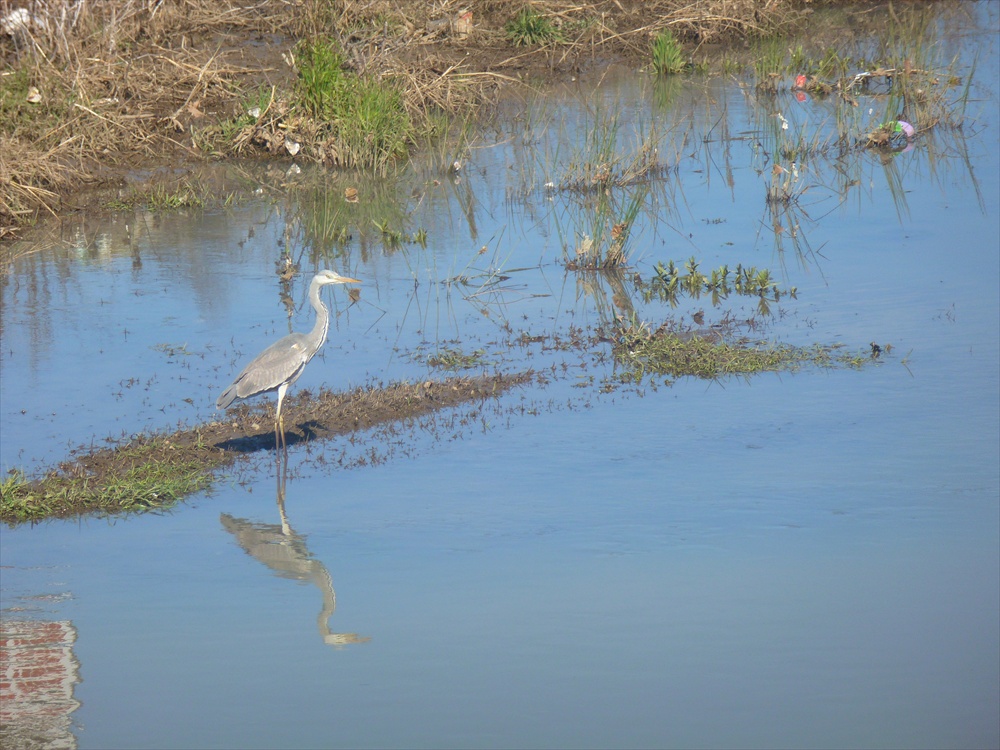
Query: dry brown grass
[
  {"x": 125, "y": 82},
  {"x": 110, "y": 94}
]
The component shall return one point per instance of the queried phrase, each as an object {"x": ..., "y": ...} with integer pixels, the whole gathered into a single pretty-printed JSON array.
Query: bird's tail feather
[{"x": 227, "y": 397}]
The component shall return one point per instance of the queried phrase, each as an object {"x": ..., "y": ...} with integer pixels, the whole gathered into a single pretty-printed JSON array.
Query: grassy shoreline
[{"x": 90, "y": 91}]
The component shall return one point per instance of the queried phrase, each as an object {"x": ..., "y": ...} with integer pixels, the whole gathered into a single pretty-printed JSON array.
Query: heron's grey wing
[{"x": 281, "y": 362}]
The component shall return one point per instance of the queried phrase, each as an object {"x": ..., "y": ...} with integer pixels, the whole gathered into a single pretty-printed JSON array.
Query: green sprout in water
[
  {"x": 455, "y": 359},
  {"x": 669, "y": 283},
  {"x": 668, "y": 58},
  {"x": 394, "y": 238}
]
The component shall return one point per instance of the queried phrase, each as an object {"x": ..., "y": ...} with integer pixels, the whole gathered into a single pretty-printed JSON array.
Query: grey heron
[{"x": 280, "y": 365}]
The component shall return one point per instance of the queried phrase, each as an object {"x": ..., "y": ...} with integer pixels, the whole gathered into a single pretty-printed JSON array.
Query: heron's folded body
[{"x": 280, "y": 365}]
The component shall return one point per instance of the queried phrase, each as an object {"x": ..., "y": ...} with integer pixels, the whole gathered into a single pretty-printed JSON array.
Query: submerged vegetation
[
  {"x": 452, "y": 358},
  {"x": 160, "y": 197}
]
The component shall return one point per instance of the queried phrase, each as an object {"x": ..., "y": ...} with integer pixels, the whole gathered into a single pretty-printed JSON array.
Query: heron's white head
[{"x": 329, "y": 277}]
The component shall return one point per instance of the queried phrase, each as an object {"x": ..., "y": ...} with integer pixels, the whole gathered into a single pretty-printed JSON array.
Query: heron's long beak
[{"x": 345, "y": 280}]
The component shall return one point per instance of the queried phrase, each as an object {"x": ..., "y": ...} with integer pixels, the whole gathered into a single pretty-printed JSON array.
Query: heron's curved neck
[{"x": 322, "y": 315}]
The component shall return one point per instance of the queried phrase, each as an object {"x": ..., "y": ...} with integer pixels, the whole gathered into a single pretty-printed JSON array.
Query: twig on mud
[{"x": 77, "y": 105}]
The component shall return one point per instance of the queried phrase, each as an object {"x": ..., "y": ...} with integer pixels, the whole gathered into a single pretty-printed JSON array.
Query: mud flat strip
[{"x": 156, "y": 471}]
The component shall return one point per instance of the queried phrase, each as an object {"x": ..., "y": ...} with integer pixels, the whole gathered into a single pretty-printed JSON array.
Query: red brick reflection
[{"x": 38, "y": 672}]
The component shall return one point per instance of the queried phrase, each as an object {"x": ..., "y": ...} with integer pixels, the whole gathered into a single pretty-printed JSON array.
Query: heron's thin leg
[
  {"x": 279, "y": 422},
  {"x": 281, "y": 429}
]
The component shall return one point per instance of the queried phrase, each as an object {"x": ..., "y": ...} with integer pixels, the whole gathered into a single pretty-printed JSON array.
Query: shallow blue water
[{"x": 804, "y": 560}]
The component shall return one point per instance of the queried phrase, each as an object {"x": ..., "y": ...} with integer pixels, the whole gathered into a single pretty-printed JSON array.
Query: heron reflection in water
[
  {"x": 285, "y": 552},
  {"x": 280, "y": 365}
]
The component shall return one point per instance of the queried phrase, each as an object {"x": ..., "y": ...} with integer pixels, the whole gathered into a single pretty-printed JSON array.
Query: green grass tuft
[
  {"x": 529, "y": 28},
  {"x": 668, "y": 58},
  {"x": 365, "y": 119},
  {"x": 321, "y": 86},
  {"x": 154, "y": 480},
  {"x": 372, "y": 127}
]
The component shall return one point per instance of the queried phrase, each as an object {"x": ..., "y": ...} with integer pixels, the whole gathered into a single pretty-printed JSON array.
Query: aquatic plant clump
[
  {"x": 714, "y": 353},
  {"x": 611, "y": 225},
  {"x": 668, "y": 282}
]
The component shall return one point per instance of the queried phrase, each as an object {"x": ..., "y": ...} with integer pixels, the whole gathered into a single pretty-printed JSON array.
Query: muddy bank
[
  {"x": 308, "y": 416},
  {"x": 156, "y": 471}
]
